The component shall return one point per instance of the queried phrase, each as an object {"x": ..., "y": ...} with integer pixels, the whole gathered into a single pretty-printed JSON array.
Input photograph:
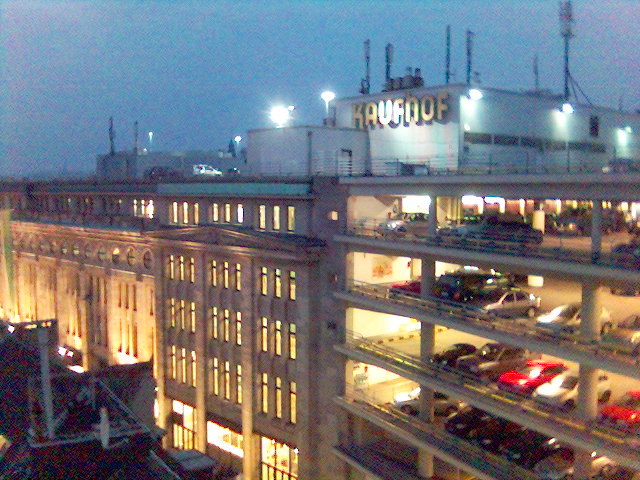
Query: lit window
[
  {"x": 240, "y": 213},
  {"x": 174, "y": 212},
  {"x": 216, "y": 377},
  {"x": 214, "y": 273},
  {"x": 291, "y": 218},
  {"x": 264, "y": 280},
  {"x": 293, "y": 402},
  {"x": 185, "y": 212},
  {"x": 135, "y": 208},
  {"x": 239, "y": 384},
  {"x": 292, "y": 285},
  {"x": 172, "y": 312},
  {"x": 183, "y": 364},
  {"x": 172, "y": 267},
  {"x": 262, "y": 217},
  {"x": 278, "y": 397},
  {"x": 224, "y": 438},
  {"x": 278, "y": 338},
  {"x": 192, "y": 313},
  {"x": 227, "y": 213},
  {"x": 238, "y": 277},
  {"x": 215, "y": 213},
  {"x": 227, "y": 381},
  {"x": 238, "y": 328},
  {"x": 277, "y": 283},
  {"x": 264, "y": 337},
  {"x": 182, "y": 314},
  {"x": 214, "y": 322},
  {"x": 192, "y": 270},
  {"x": 293, "y": 342},
  {"x": 150, "y": 209},
  {"x": 333, "y": 215},
  {"x": 193, "y": 368},
  {"x": 276, "y": 217},
  {"x": 181, "y": 267},
  {"x": 196, "y": 213},
  {"x": 265, "y": 393},
  {"x": 225, "y": 325},
  {"x": 174, "y": 365},
  {"x": 225, "y": 275}
]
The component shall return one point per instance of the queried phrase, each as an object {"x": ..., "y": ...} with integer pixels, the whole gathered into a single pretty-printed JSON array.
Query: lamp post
[
  {"x": 281, "y": 115},
  {"x": 150, "y": 140},
  {"x": 327, "y": 96}
]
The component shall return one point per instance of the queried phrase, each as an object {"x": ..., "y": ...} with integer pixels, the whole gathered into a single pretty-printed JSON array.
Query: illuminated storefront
[
  {"x": 278, "y": 461},
  {"x": 183, "y": 426}
]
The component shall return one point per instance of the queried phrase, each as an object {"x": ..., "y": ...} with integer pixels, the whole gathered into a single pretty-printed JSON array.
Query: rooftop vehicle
[
  {"x": 511, "y": 302},
  {"x": 450, "y": 355},
  {"x": 624, "y": 413},
  {"x": 466, "y": 420},
  {"x": 498, "y": 228},
  {"x": 443, "y": 406},
  {"x": 562, "y": 390},
  {"x": 402, "y": 224},
  {"x": 560, "y": 465},
  {"x": 202, "y": 169},
  {"x": 467, "y": 284},
  {"x": 493, "y": 359},
  {"x": 566, "y": 319},
  {"x": 528, "y": 447},
  {"x": 527, "y": 379}
]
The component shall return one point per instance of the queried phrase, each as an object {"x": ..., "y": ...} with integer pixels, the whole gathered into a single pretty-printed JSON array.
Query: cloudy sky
[{"x": 197, "y": 73}]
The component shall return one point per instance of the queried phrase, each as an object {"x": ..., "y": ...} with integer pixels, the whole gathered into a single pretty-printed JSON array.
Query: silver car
[
  {"x": 566, "y": 319},
  {"x": 562, "y": 390},
  {"x": 511, "y": 302},
  {"x": 560, "y": 465},
  {"x": 403, "y": 224}
]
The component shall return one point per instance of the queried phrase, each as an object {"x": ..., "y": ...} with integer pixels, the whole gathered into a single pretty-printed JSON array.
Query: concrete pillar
[
  {"x": 538, "y": 224},
  {"x": 590, "y": 323},
  {"x": 596, "y": 230},
  {"x": 432, "y": 225},
  {"x": 427, "y": 344}
]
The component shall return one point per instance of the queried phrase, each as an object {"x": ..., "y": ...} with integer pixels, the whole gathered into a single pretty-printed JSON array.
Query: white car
[
  {"x": 560, "y": 465},
  {"x": 566, "y": 319},
  {"x": 562, "y": 390},
  {"x": 205, "y": 170}
]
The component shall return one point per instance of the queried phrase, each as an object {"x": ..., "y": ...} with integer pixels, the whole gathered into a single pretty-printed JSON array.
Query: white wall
[
  {"x": 372, "y": 324},
  {"x": 374, "y": 268}
]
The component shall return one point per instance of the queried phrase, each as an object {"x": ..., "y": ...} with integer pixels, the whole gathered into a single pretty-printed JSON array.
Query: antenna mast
[
  {"x": 566, "y": 20},
  {"x": 536, "y": 73},
  {"x": 366, "y": 81},
  {"x": 135, "y": 137},
  {"x": 447, "y": 71},
  {"x": 470, "y": 35},
  {"x": 388, "y": 51},
  {"x": 112, "y": 136}
]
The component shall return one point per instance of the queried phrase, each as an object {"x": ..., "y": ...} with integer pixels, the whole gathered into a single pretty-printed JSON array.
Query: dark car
[
  {"x": 466, "y": 420},
  {"x": 493, "y": 433},
  {"x": 577, "y": 221},
  {"x": 528, "y": 447},
  {"x": 449, "y": 356},
  {"x": 627, "y": 253},
  {"x": 465, "y": 285},
  {"x": 503, "y": 229},
  {"x": 492, "y": 360}
]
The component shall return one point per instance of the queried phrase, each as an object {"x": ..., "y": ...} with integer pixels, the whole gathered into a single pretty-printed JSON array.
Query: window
[
  {"x": 192, "y": 270},
  {"x": 278, "y": 397},
  {"x": 135, "y": 208},
  {"x": 182, "y": 314},
  {"x": 293, "y": 342},
  {"x": 150, "y": 209},
  {"x": 192, "y": 316},
  {"x": 214, "y": 322},
  {"x": 263, "y": 280},
  {"x": 225, "y": 438},
  {"x": 262, "y": 217},
  {"x": 172, "y": 267},
  {"x": 240, "y": 213},
  {"x": 196, "y": 213},
  {"x": 225, "y": 325},
  {"x": 238, "y": 328},
  {"x": 264, "y": 337},
  {"x": 194, "y": 368},
  {"x": 278, "y": 460},
  {"x": 174, "y": 364},
  {"x": 215, "y": 213},
  {"x": 238, "y": 277},
  {"x": 172, "y": 312},
  {"x": 293, "y": 402},
  {"x": 174, "y": 212},
  {"x": 227, "y": 213},
  {"x": 278, "y": 338},
  {"x": 225, "y": 275},
  {"x": 292, "y": 285},
  {"x": 183, "y": 364},
  {"x": 291, "y": 218},
  {"x": 185, "y": 212},
  {"x": 333, "y": 215},
  {"x": 227, "y": 381},
  {"x": 276, "y": 217},
  {"x": 277, "y": 283},
  {"x": 181, "y": 267},
  {"x": 216, "y": 377},
  {"x": 265, "y": 393},
  {"x": 238, "y": 384},
  {"x": 214, "y": 273},
  {"x": 184, "y": 426}
]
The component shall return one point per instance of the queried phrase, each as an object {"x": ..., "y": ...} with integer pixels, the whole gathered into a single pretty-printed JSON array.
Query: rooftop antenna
[
  {"x": 366, "y": 81},
  {"x": 447, "y": 71},
  {"x": 536, "y": 73},
  {"x": 388, "y": 51},
  {"x": 112, "y": 136},
  {"x": 135, "y": 137},
  {"x": 470, "y": 35},
  {"x": 566, "y": 20}
]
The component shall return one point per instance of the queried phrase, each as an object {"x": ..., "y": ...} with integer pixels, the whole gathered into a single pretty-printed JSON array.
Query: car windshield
[
  {"x": 630, "y": 401},
  {"x": 532, "y": 372},
  {"x": 569, "y": 382},
  {"x": 564, "y": 311},
  {"x": 491, "y": 295},
  {"x": 490, "y": 350}
]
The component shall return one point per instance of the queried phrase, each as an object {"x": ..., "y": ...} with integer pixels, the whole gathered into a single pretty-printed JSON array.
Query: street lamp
[
  {"x": 327, "y": 96},
  {"x": 281, "y": 115},
  {"x": 150, "y": 140}
]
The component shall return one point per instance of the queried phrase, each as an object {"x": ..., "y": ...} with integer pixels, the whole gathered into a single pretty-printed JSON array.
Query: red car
[
  {"x": 411, "y": 287},
  {"x": 625, "y": 412},
  {"x": 527, "y": 379}
]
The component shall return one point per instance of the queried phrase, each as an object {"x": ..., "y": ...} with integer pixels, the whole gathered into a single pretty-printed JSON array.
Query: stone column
[{"x": 200, "y": 339}]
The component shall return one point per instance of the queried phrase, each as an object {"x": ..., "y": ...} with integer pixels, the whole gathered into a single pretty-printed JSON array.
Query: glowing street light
[
  {"x": 237, "y": 139},
  {"x": 567, "y": 108},
  {"x": 327, "y": 96},
  {"x": 281, "y": 115},
  {"x": 475, "y": 94},
  {"x": 150, "y": 140}
]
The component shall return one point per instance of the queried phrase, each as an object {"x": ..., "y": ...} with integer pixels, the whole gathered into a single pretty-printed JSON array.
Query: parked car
[
  {"x": 491, "y": 434},
  {"x": 562, "y": 390},
  {"x": 616, "y": 472},
  {"x": 410, "y": 287},
  {"x": 511, "y": 302},
  {"x": 528, "y": 447},
  {"x": 161, "y": 173},
  {"x": 499, "y": 228},
  {"x": 466, "y": 420},
  {"x": 527, "y": 379},
  {"x": 443, "y": 406},
  {"x": 467, "y": 284},
  {"x": 203, "y": 169},
  {"x": 403, "y": 224},
  {"x": 450, "y": 355},
  {"x": 623, "y": 413},
  {"x": 625, "y": 340},
  {"x": 577, "y": 221},
  {"x": 493, "y": 359},
  {"x": 560, "y": 465},
  {"x": 627, "y": 253},
  {"x": 566, "y": 319}
]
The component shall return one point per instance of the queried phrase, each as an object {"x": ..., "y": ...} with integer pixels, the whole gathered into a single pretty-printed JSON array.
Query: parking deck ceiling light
[
  {"x": 475, "y": 94},
  {"x": 280, "y": 115},
  {"x": 567, "y": 108}
]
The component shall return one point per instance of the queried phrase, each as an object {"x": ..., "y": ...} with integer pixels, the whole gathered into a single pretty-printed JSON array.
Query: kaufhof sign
[{"x": 402, "y": 111}]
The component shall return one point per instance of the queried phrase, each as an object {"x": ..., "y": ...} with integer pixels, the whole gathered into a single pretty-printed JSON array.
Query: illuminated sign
[{"x": 401, "y": 111}]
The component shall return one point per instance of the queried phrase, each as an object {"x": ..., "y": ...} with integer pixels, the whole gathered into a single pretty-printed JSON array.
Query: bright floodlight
[
  {"x": 628, "y": 129},
  {"x": 475, "y": 94},
  {"x": 567, "y": 107},
  {"x": 237, "y": 139},
  {"x": 280, "y": 115},
  {"x": 327, "y": 96}
]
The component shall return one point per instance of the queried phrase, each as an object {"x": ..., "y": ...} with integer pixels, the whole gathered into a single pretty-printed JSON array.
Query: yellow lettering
[
  {"x": 411, "y": 110},
  {"x": 398, "y": 110},
  {"x": 358, "y": 117},
  {"x": 371, "y": 114},
  {"x": 443, "y": 107},
  {"x": 427, "y": 108},
  {"x": 385, "y": 110}
]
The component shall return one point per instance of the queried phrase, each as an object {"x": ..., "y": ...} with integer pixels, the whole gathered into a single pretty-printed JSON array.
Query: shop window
[
  {"x": 278, "y": 460},
  {"x": 184, "y": 426},
  {"x": 225, "y": 438}
]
